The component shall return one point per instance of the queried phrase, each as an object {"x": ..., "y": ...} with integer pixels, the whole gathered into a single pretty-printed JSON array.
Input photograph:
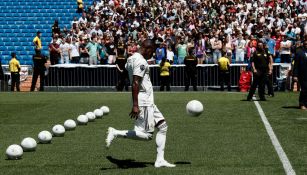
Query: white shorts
[{"x": 148, "y": 118}]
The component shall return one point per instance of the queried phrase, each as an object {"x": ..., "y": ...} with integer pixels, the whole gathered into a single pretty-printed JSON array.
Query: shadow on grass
[
  {"x": 291, "y": 107},
  {"x": 127, "y": 163},
  {"x": 130, "y": 163}
]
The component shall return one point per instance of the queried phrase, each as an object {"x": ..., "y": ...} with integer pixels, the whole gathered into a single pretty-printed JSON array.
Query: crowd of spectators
[{"x": 110, "y": 28}]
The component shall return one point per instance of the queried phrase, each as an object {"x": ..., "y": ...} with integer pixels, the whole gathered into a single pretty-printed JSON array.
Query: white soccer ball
[
  {"x": 194, "y": 108},
  {"x": 105, "y": 110},
  {"x": 82, "y": 119},
  {"x": 98, "y": 113},
  {"x": 58, "y": 130},
  {"x": 28, "y": 144},
  {"x": 70, "y": 124},
  {"x": 44, "y": 137},
  {"x": 14, "y": 152},
  {"x": 91, "y": 116}
]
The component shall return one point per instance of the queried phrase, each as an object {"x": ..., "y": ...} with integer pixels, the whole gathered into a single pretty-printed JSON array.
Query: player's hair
[{"x": 148, "y": 43}]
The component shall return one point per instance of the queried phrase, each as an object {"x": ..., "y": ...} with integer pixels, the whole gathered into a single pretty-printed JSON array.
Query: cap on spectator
[{"x": 38, "y": 32}]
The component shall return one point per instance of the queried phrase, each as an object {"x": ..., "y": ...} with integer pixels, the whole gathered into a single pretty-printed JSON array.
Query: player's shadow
[
  {"x": 130, "y": 163},
  {"x": 291, "y": 107},
  {"x": 127, "y": 163}
]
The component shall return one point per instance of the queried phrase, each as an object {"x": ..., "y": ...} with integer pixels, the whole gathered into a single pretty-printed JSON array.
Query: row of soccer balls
[{"x": 15, "y": 151}]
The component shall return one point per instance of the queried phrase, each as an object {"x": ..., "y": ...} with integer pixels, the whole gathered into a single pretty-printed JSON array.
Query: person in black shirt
[
  {"x": 39, "y": 68},
  {"x": 300, "y": 73},
  {"x": 260, "y": 64},
  {"x": 55, "y": 28},
  {"x": 1, "y": 71},
  {"x": 120, "y": 65},
  {"x": 190, "y": 63}
]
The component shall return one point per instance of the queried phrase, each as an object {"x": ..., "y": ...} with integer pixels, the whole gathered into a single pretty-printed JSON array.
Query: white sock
[
  {"x": 160, "y": 141},
  {"x": 133, "y": 134}
]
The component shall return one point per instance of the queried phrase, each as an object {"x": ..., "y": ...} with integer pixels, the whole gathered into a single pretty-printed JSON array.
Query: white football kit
[{"x": 149, "y": 113}]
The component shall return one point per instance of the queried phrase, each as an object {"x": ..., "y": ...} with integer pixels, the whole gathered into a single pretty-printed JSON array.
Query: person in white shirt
[
  {"x": 285, "y": 50},
  {"x": 240, "y": 45},
  {"x": 170, "y": 54},
  {"x": 144, "y": 111},
  {"x": 65, "y": 51},
  {"x": 75, "y": 56}
]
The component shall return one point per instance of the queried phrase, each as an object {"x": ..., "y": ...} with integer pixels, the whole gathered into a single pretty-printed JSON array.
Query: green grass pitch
[{"x": 228, "y": 138}]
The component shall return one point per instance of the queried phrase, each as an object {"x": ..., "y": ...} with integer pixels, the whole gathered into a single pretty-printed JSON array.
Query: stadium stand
[{"x": 21, "y": 19}]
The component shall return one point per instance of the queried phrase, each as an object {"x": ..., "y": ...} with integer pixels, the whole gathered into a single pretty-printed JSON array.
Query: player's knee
[{"x": 162, "y": 127}]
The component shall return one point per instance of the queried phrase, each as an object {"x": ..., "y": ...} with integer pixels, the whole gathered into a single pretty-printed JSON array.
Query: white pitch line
[{"x": 281, "y": 153}]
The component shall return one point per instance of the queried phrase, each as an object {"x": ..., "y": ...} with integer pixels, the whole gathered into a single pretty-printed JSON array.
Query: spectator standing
[
  {"x": 217, "y": 48},
  {"x": 240, "y": 45},
  {"x": 160, "y": 53},
  {"x": 54, "y": 51},
  {"x": 84, "y": 56},
  {"x": 285, "y": 50},
  {"x": 190, "y": 62},
  {"x": 55, "y": 28},
  {"x": 14, "y": 68},
  {"x": 260, "y": 65},
  {"x": 170, "y": 55},
  {"x": 39, "y": 69},
  {"x": 65, "y": 51},
  {"x": 224, "y": 75},
  {"x": 75, "y": 55},
  {"x": 182, "y": 48},
  {"x": 300, "y": 74},
  {"x": 165, "y": 74},
  {"x": 93, "y": 51},
  {"x": 37, "y": 41}
]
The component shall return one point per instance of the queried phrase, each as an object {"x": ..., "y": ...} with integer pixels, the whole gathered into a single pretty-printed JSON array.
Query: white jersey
[{"x": 137, "y": 65}]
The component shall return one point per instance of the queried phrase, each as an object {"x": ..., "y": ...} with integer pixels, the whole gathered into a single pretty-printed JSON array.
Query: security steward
[
  {"x": 224, "y": 75},
  {"x": 300, "y": 73},
  {"x": 120, "y": 65},
  {"x": 39, "y": 68},
  {"x": 261, "y": 68},
  {"x": 14, "y": 68},
  {"x": 190, "y": 62}
]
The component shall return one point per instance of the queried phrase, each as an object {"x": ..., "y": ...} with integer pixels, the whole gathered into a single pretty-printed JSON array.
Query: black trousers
[
  {"x": 285, "y": 58},
  {"x": 15, "y": 81},
  {"x": 165, "y": 81},
  {"x": 224, "y": 78},
  {"x": 54, "y": 59},
  {"x": 269, "y": 83},
  {"x": 258, "y": 81},
  {"x": 122, "y": 81},
  {"x": 41, "y": 73},
  {"x": 303, "y": 94},
  {"x": 190, "y": 77}
]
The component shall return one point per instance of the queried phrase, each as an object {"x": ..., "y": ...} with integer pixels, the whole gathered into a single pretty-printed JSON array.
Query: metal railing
[{"x": 79, "y": 75}]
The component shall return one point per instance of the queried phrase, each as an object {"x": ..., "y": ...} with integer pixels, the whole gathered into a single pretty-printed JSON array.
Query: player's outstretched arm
[{"x": 135, "y": 91}]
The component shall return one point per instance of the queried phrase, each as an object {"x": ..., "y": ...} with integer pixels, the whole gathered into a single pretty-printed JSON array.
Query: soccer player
[{"x": 144, "y": 111}]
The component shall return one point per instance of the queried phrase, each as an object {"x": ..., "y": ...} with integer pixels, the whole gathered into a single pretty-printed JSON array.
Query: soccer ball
[
  {"x": 14, "y": 152},
  {"x": 82, "y": 119},
  {"x": 44, "y": 137},
  {"x": 98, "y": 113},
  {"x": 58, "y": 130},
  {"x": 105, "y": 110},
  {"x": 91, "y": 116},
  {"x": 70, "y": 124},
  {"x": 194, "y": 108},
  {"x": 28, "y": 144}
]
